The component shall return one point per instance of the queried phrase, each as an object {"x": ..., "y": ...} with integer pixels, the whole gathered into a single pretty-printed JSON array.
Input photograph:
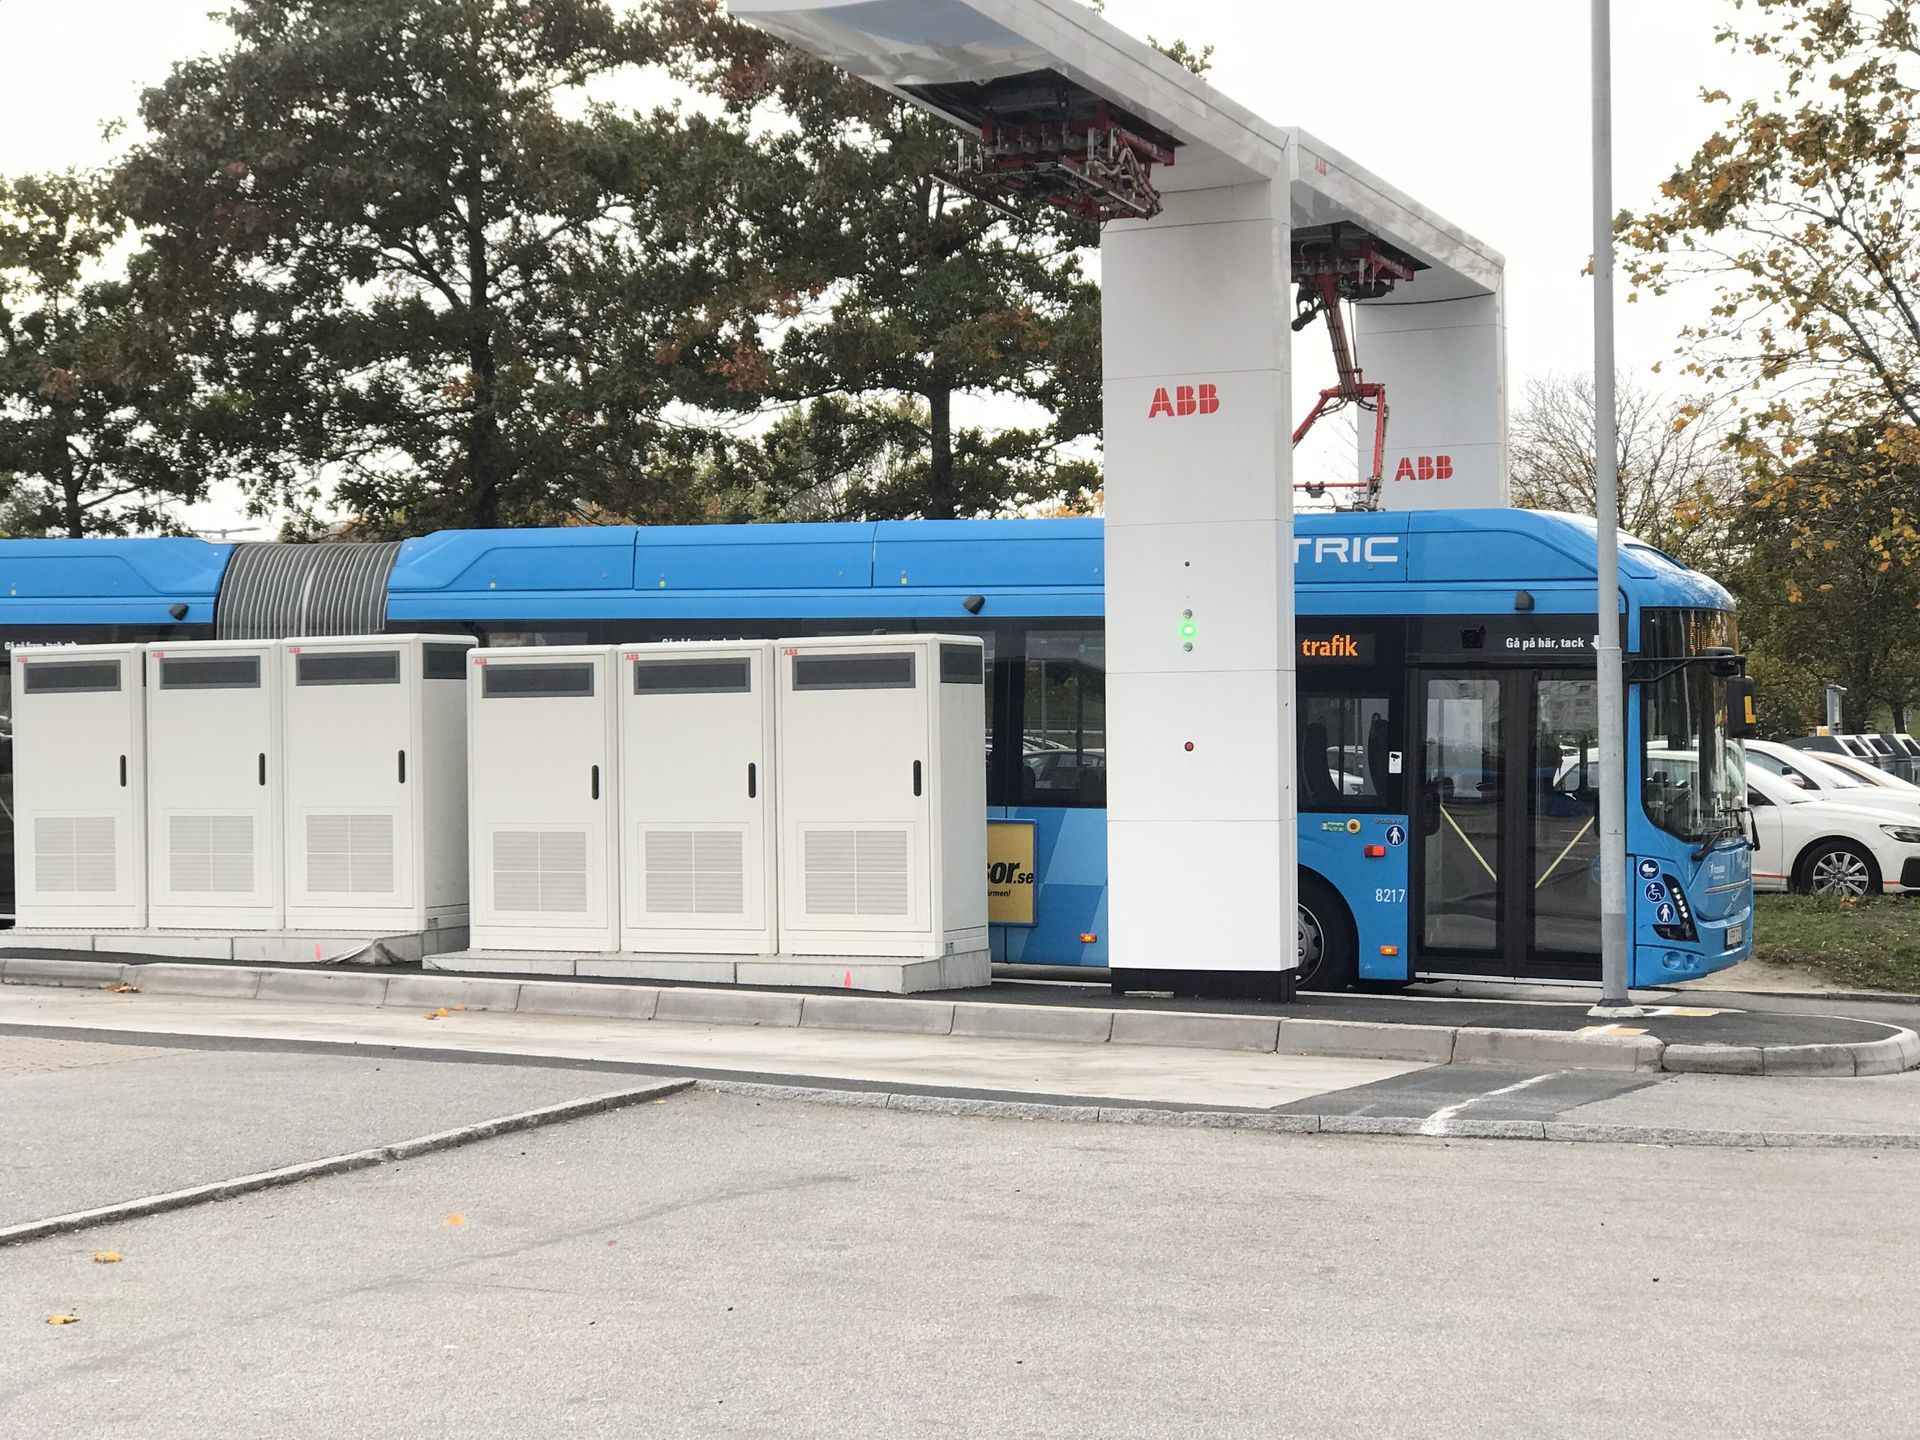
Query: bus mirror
[{"x": 1743, "y": 722}]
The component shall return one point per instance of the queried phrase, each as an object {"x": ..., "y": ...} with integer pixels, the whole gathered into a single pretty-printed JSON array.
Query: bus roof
[{"x": 1435, "y": 562}]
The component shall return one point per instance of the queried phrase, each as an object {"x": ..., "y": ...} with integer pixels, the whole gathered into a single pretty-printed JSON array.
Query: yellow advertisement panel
[{"x": 1010, "y": 872}]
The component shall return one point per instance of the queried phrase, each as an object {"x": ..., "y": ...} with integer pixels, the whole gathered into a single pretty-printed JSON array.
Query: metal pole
[{"x": 1614, "y": 1000}]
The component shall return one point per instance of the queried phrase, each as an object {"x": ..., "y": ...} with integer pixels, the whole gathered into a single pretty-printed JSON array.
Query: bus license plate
[{"x": 1735, "y": 934}]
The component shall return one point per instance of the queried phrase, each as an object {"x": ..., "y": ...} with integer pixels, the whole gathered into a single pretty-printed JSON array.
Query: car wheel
[
  {"x": 1327, "y": 949},
  {"x": 1837, "y": 867}
]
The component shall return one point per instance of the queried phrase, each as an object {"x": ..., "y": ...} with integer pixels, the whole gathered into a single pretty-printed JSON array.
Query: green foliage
[
  {"x": 889, "y": 291},
  {"x": 418, "y": 263},
  {"x": 1821, "y": 600},
  {"x": 91, "y": 396},
  {"x": 1799, "y": 212}
]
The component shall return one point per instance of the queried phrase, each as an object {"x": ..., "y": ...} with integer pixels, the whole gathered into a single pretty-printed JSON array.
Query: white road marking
[{"x": 1437, "y": 1123}]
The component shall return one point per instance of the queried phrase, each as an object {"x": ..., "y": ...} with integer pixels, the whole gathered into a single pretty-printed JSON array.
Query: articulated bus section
[{"x": 1445, "y": 702}]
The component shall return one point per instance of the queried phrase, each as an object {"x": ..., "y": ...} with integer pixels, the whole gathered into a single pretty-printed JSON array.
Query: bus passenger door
[
  {"x": 1505, "y": 882},
  {"x": 1460, "y": 823}
]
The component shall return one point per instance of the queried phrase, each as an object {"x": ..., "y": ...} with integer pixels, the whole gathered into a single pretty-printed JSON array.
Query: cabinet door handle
[
  {"x": 753, "y": 787},
  {"x": 403, "y": 767},
  {"x": 916, "y": 777},
  {"x": 123, "y": 772},
  {"x": 596, "y": 782},
  {"x": 263, "y": 767}
]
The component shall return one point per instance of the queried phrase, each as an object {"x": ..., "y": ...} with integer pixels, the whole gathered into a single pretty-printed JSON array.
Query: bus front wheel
[{"x": 1327, "y": 949}]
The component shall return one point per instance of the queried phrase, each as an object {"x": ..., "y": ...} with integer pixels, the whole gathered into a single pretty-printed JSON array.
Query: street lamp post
[{"x": 1611, "y": 690}]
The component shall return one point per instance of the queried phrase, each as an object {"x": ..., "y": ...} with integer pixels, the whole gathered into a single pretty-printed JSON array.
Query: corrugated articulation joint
[{"x": 272, "y": 590}]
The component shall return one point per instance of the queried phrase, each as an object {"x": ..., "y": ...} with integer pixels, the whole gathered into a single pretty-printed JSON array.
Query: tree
[
  {"x": 1818, "y": 603},
  {"x": 90, "y": 396},
  {"x": 1676, "y": 481},
  {"x": 1798, "y": 212},
  {"x": 421, "y": 267},
  {"x": 889, "y": 299}
]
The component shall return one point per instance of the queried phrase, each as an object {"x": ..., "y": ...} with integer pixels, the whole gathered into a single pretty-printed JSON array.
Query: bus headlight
[{"x": 1905, "y": 834}]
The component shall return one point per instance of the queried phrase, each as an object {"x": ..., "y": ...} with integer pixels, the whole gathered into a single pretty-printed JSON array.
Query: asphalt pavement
[
  {"x": 86, "y": 1123},
  {"x": 716, "y": 1266}
]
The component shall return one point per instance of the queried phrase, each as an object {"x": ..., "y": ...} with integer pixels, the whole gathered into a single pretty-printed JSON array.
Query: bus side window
[{"x": 1346, "y": 749}]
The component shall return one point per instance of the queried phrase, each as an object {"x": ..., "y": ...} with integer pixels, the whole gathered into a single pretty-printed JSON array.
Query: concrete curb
[
  {"x": 336, "y": 1164},
  {"x": 1267, "y": 1123},
  {"x": 1352, "y": 1039}
]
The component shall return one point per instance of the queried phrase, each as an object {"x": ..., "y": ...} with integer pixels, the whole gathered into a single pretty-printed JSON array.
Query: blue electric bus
[{"x": 1446, "y": 699}]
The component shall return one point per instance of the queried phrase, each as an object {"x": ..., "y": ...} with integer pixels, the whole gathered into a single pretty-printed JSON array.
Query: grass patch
[{"x": 1866, "y": 944}]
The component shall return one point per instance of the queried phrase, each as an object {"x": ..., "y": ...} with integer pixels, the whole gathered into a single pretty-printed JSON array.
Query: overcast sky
[{"x": 1478, "y": 108}]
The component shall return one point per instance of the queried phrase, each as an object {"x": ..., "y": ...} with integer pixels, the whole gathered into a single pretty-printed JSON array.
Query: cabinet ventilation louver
[
  {"x": 695, "y": 872},
  {"x": 350, "y": 854},
  {"x": 74, "y": 855},
  {"x": 540, "y": 872},
  {"x": 210, "y": 854},
  {"x": 856, "y": 872}
]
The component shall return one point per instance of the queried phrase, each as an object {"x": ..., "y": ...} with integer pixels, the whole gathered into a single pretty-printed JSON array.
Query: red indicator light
[
  {"x": 1376, "y": 852},
  {"x": 1189, "y": 744}
]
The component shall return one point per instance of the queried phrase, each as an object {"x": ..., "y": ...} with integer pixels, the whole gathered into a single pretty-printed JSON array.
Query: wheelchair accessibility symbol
[{"x": 1396, "y": 834}]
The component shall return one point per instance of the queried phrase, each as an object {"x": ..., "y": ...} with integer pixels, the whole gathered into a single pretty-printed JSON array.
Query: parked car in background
[
  {"x": 1869, "y": 775},
  {"x": 1824, "y": 843},
  {"x": 1820, "y": 776}
]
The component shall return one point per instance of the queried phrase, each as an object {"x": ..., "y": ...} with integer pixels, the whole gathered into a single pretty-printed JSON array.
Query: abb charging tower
[{"x": 1223, "y": 235}]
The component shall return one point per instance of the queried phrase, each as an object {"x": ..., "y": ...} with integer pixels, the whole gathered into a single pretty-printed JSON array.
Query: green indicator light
[{"x": 1186, "y": 631}]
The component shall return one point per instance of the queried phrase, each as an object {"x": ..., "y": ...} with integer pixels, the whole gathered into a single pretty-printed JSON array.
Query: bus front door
[{"x": 1505, "y": 882}]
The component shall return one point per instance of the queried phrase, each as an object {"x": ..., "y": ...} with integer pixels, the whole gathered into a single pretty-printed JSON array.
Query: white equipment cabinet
[
  {"x": 882, "y": 796},
  {"x": 79, "y": 790},
  {"x": 696, "y": 798},
  {"x": 214, "y": 786},
  {"x": 376, "y": 781},
  {"x": 543, "y": 799}
]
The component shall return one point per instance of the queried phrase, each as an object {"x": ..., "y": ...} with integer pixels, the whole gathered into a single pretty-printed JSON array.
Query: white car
[
  {"x": 1816, "y": 776},
  {"x": 1858, "y": 769},
  {"x": 1809, "y": 842}
]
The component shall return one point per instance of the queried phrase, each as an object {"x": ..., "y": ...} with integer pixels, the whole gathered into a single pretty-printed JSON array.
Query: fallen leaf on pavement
[
  {"x": 63, "y": 1319},
  {"x": 456, "y": 1219},
  {"x": 121, "y": 989},
  {"x": 107, "y": 1257},
  {"x": 457, "y": 1007}
]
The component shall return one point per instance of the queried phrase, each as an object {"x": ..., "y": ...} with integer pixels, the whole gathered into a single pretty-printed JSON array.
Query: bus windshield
[{"x": 1693, "y": 777}]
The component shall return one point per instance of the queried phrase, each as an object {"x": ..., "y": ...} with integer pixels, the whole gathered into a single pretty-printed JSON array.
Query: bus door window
[
  {"x": 1064, "y": 725},
  {"x": 1346, "y": 753},
  {"x": 1564, "y": 821},
  {"x": 1462, "y": 762}
]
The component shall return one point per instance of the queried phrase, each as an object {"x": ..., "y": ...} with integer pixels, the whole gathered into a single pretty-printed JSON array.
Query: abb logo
[
  {"x": 1184, "y": 400},
  {"x": 1424, "y": 467}
]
